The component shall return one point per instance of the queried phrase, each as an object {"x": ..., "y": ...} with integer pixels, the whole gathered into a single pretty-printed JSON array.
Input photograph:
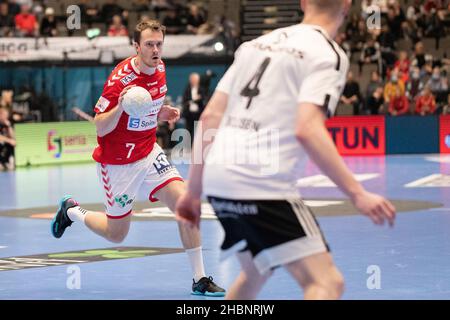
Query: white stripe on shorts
[
  {"x": 304, "y": 217},
  {"x": 289, "y": 252}
]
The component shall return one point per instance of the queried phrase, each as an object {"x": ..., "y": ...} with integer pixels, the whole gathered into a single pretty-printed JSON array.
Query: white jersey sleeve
[{"x": 323, "y": 86}]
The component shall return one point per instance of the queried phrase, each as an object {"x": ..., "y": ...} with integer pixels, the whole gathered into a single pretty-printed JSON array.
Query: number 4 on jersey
[{"x": 252, "y": 92}]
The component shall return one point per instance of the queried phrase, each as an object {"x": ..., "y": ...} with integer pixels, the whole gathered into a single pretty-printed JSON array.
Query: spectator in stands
[
  {"x": 89, "y": 12},
  {"x": 110, "y": 9},
  {"x": 48, "y": 24},
  {"x": 414, "y": 22},
  {"x": 193, "y": 102},
  {"x": 438, "y": 84},
  {"x": 7, "y": 141},
  {"x": 429, "y": 6},
  {"x": 399, "y": 104},
  {"x": 352, "y": 25},
  {"x": 117, "y": 29},
  {"x": 161, "y": 6},
  {"x": 415, "y": 83},
  {"x": 341, "y": 40},
  {"x": 6, "y": 20},
  {"x": 436, "y": 28},
  {"x": 173, "y": 23},
  {"x": 37, "y": 8},
  {"x": 26, "y": 23},
  {"x": 421, "y": 59},
  {"x": 387, "y": 47},
  {"x": 374, "y": 83},
  {"x": 426, "y": 103},
  {"x": 351, "y": 94},
  {"x": 227, "y": 29},
  {"x": 359, "y": 36},
  {"x": 375, "y": 102},
  {"x": 14, "y": 7},
  {"x": 395, "y": 20},
  {"x": 402, "y": 65},
  {"x": 141, "y": 6},
  {"x": 395, "y": 87},
  {"x": 196, "y": 19},
  {"x": 370, "y": 54},
  {"x": 444, "y": 109}
]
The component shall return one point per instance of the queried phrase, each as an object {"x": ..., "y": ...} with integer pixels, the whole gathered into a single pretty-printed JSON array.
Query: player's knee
[
  {"x": 336, "y": 285},
  {"x": 328, "y": 286},
  {"x": 333, "y": 284},
  {"x": 255, "y": 278}
]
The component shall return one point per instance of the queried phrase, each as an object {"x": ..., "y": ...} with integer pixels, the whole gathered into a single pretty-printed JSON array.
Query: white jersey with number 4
[{"x": 255, "y": 154}]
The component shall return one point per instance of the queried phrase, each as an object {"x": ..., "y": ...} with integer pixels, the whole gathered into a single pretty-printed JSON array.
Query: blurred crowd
[
  {"x": 32, "y": 18},
  {"x": 413, "y": 79}
]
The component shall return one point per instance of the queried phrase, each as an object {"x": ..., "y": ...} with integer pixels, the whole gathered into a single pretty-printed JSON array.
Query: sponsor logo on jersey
[
  {"x": 162, "y": 164},
  {"x": 142, "y": 124},
  {"x": 128, "y": 78},
  {"x": 102, "y": 104},
  {"x": 157, "y": 104},
  {"x": 154, "y": 91},
  {"x": 161, "y": 68},
  {"x": 163, "y": 89},
  {"x": 123, "y": 200},
  {"x": 152, "y": 83}
]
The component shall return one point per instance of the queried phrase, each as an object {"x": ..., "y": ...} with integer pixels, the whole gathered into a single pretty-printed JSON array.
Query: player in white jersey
[{"x": 270, "y": 110}]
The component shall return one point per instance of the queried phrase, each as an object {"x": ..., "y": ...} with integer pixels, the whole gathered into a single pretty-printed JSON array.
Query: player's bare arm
[
  {"x": 312, "y": 133},
  {"x": 107, "y": 121},
  {"x": 188, "y": 206}
]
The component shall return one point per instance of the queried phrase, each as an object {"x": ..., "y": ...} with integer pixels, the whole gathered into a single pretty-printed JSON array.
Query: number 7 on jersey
[{"x": 131, "y": 146}]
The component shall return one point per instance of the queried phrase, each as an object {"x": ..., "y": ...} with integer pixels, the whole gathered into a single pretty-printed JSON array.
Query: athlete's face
[{"x": 150, "y": 47}]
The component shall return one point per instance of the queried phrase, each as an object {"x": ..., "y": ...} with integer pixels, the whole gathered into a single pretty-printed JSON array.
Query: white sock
[
  {"x": 196, "y": 259},
  {"x": 77, "y": 214}
]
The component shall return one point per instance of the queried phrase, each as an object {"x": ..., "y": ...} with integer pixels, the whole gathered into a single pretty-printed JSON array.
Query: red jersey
[{"x": 133, "y": 138}]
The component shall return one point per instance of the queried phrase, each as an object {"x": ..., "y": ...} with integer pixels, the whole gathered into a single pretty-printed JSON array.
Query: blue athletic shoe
[
  {"x": 61, "y": 220},
  {"x": 206, "y": 287}
]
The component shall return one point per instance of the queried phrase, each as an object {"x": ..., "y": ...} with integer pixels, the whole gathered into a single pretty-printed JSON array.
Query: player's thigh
[
  {"x": 315, "y": 269},
  {"x": 170, "y": 193},
  {"x": 121, "y": 184},
  {"x": 245, "y": 259},
  {"x": 163, "y": 182}
]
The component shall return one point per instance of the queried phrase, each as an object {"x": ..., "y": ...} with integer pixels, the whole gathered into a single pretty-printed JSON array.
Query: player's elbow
[
  {"x": 101, "y": 126},
  {"x": 303, "y": 135}
]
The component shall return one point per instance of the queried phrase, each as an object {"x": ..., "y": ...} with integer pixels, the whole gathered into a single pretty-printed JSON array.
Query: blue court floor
[{"x": 409, "y": 261}]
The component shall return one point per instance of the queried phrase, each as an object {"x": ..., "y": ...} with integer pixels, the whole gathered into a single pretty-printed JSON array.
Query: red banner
[
  {"x": 444, "y": 133},
  {"x": 361, "y": 135}
]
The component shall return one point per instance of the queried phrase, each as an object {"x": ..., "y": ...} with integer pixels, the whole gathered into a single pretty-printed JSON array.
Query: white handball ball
[{"x": 137, "y": 102}]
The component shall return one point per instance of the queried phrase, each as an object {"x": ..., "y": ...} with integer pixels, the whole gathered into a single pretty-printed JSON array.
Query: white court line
[
  {"x": 440, "y": 159},
  {"x": 3, "y": 247},
  {"x": 422, "y": 181}
]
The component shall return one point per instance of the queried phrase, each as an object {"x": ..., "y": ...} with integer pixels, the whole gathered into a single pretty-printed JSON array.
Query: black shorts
[{"x": 276, "y": 232}]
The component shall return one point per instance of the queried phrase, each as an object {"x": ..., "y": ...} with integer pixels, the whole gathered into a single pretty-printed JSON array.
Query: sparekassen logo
[{"x": 56, "y": 142}]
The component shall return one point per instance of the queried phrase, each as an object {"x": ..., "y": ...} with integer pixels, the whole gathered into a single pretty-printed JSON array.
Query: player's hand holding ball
[
  {"x": 136, "y": 101},
  {"x": 169, "y": 114}
]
